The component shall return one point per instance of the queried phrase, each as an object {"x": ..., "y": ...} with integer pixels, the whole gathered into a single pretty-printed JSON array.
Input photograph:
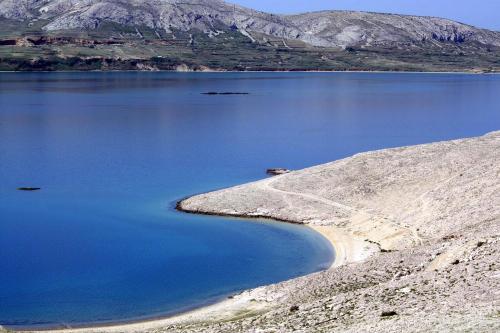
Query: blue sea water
[{"x": 113, "y": 152}]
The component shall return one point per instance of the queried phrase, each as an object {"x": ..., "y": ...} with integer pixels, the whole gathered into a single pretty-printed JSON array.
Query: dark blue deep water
[{"x": 113, "y": 152}]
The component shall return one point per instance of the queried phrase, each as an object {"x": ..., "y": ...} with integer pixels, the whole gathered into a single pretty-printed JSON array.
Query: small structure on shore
[{"x": 277, "y": 171}]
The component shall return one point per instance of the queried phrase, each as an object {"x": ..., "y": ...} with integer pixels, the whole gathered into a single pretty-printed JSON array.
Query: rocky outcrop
[
  {"x": 46, "y": 40},
  {"x": 348, "y": 28}
]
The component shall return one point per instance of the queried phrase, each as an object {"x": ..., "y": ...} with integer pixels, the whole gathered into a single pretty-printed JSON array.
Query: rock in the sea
[
  {"x": 224, "y": 93},
  {"x": 29, "y": 188}
]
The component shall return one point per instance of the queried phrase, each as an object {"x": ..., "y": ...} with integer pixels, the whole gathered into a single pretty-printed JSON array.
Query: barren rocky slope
[
  {"x": 328, "y": 28},
  {"x": 206, "y": 33},
  {"x": 434, "y": 212}
]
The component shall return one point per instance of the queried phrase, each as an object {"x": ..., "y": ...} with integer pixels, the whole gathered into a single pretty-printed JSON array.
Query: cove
[{"x": 113, "y": 152}]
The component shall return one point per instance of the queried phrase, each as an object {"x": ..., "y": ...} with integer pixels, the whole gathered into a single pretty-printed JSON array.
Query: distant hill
[{"x": 213, "y": 34}]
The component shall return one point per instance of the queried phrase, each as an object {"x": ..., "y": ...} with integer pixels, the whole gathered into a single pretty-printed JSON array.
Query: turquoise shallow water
[{"x": 113, "y": 152}]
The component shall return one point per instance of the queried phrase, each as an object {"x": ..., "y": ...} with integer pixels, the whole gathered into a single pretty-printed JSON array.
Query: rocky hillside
[
  {"x": 327, "y": 28},
  {"x": 432, "y": 210},
  {"x": 215, "y": 24}
]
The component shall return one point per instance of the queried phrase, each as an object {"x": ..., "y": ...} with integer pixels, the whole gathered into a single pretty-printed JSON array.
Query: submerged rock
[{"x": 225, "y": 93}]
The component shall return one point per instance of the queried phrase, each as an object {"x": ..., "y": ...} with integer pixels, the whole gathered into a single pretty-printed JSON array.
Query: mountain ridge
[
  {"x": 335, "y": 29},
  {"x": 214, "y": 24}
]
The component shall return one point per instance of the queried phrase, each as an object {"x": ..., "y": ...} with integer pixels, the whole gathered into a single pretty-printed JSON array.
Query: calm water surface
[{"x": 114, "y": 151}]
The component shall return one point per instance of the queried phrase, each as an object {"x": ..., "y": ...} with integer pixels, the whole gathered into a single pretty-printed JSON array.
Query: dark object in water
[
  {"x": 277, "y": 171},
  {"x": 294, "y": 308},
  {"x": 29, "y": 188},
  {"x": 225, "y": 93}
]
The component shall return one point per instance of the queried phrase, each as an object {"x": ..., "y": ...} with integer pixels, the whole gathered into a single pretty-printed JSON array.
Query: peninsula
[{"x": 416, "y": 232}]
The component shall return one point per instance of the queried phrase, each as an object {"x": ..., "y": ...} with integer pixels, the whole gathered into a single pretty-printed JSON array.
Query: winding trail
[{"x": 268, "y": 185}]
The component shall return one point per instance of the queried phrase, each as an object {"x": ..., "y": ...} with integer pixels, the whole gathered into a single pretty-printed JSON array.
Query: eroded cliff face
[{"x": 325, "y": 29}]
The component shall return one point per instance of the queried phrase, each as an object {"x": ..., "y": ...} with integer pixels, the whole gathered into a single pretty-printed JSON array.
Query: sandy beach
[{"x": 416, "y": 232}]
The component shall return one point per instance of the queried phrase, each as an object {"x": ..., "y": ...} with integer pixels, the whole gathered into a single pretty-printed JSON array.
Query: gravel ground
[{"x": 434, "y": 212}]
